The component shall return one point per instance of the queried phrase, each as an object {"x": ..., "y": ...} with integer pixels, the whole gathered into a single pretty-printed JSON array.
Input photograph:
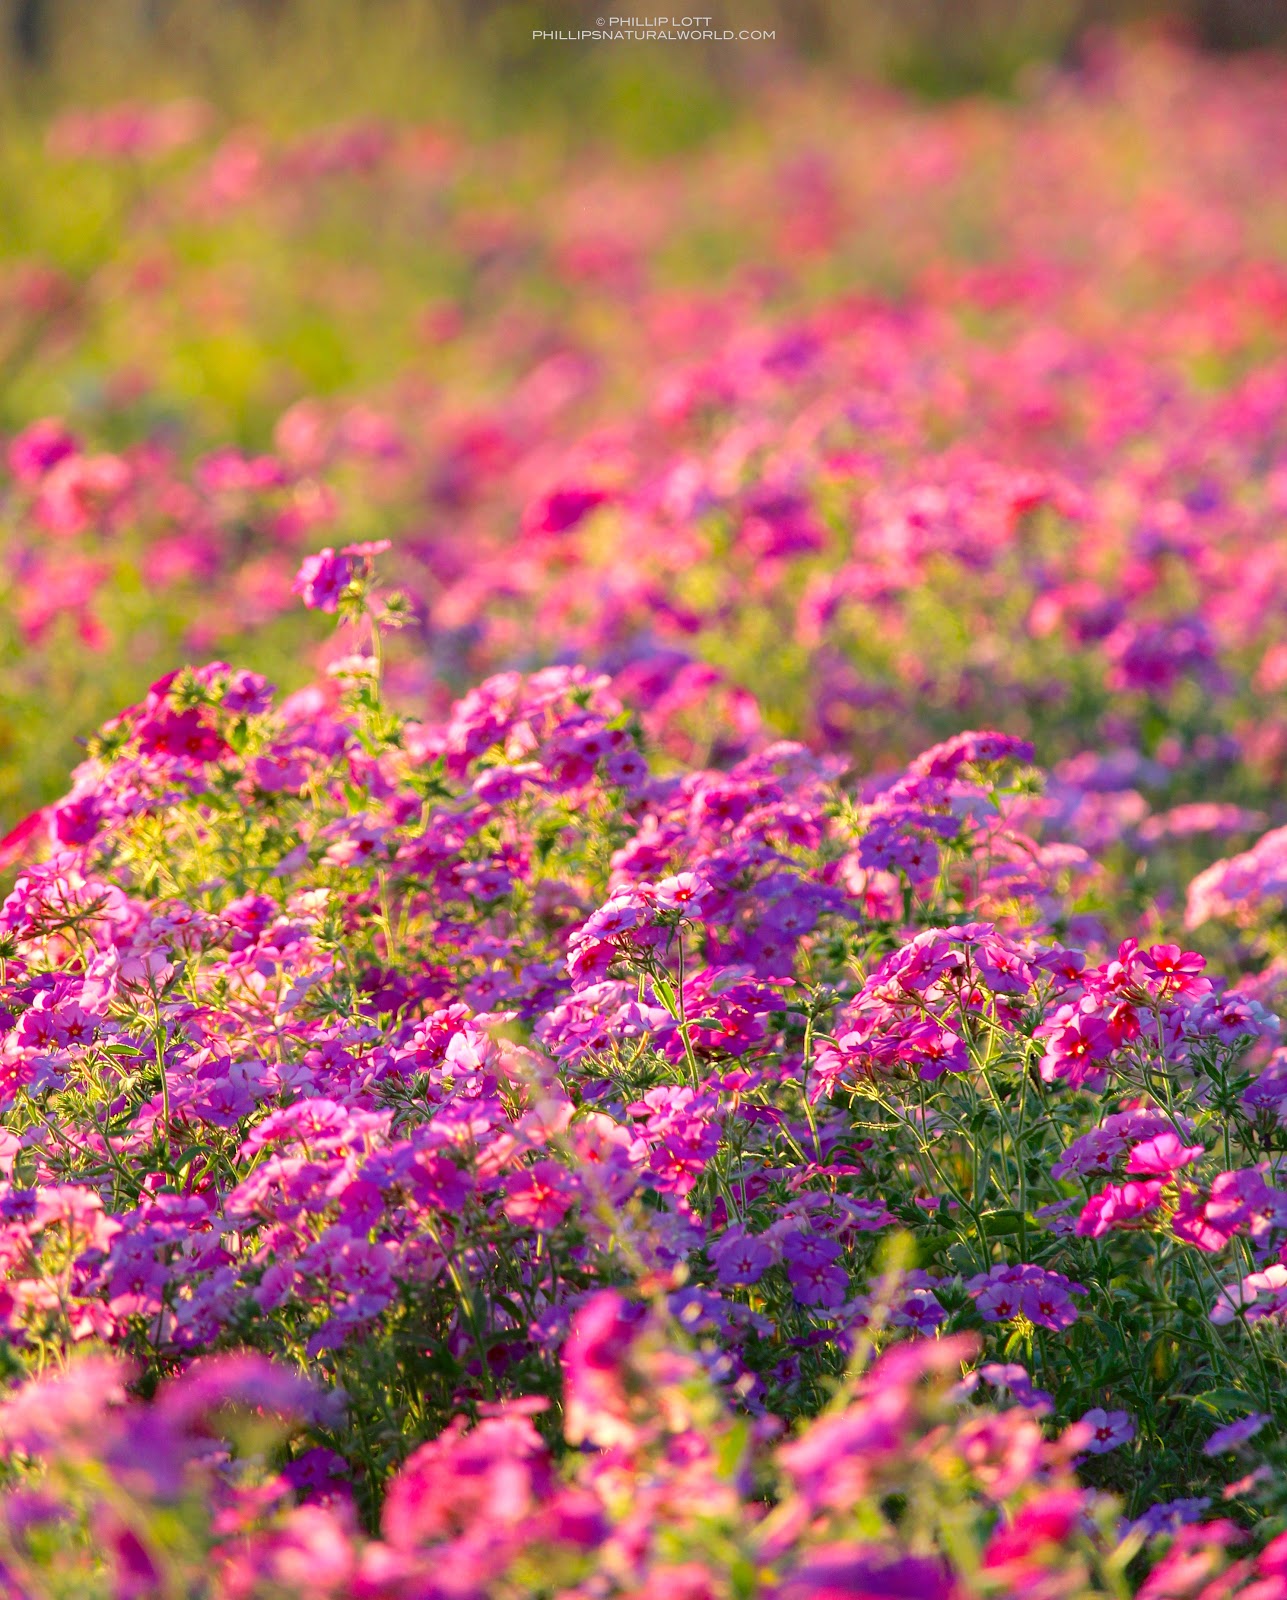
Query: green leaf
[{"x": 1221, "y": 1402}]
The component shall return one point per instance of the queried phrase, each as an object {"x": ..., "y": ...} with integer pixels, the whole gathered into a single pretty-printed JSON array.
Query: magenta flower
[
  {"x": 1118, "y": 1206},
  {"x": 39, "y": 447},
  {"x": 562, "y": 509},
  {"x": 1043, "y": 1521},
  {"x": 322, "y": 579},
  {"x": 596, "y": 1408},
  {"x": 1191, "y": 1223},
  {"x": 1164, "y": 1154},
  {"x": 539, "y": 1196},
  {"x": 1078, "y": 1044}
]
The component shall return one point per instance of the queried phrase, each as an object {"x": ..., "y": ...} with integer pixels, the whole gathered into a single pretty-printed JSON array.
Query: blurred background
[
  {"x": 475, "y": 61},
  {"x": 282, "y": 273}
]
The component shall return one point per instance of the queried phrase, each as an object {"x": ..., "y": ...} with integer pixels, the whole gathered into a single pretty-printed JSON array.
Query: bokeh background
[
  {"x": 423, "y": 265},
  {"x": 475, "y": 63}
]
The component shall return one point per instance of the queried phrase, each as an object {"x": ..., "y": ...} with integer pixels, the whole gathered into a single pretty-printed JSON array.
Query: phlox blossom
[
  {"x": 1163, "y": 1154},
  {"x": 1108, "y": 1429},
  {"x": 322, "y": 579},
  {"x": 1118, "y": 1206},
  {"x": 1235, "y": 1433}
]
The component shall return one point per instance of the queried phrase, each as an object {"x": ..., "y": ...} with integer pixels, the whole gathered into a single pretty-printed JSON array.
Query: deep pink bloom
[
  {"x": 539, "y": 1196},
  {"x": 1164, "y": 1154},
  {"x": 595, "y": 1404},
  {"x": 1118, "y": 1206},
  {"x": 39, "y": 447}
]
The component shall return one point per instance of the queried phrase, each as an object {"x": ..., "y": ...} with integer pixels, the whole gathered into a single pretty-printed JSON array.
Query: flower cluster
[
  {"x": 662, "y": 1495},
  {"x": 403, "y": 1050}
]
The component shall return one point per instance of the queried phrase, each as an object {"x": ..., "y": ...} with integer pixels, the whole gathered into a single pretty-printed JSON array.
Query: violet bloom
[
  {"x": 1169, "y": 1515},
  {"x": 1046, "y": 1304},
  {"x": 868, "y": 1570},
  {"x": 1234, "y": 1433},
  {"x": 823, "y": 1287},
  {"x": 1109, "y": 1430},
  {"x": 918, "y": 1306},
  {"x": 740, "y": 1258},
  {"x": 1043, "y": 1297},
  {"x": 1011, "y": 1378},
  {"x": 812, "y": 1263},
  {"x": 999, "y": 1302}
]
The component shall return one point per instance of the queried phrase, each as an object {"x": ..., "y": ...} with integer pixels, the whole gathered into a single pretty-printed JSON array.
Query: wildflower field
[{"x": 644, "y": 844}]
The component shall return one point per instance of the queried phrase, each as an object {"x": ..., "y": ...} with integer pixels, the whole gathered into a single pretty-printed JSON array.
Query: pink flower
[
  {"x": 479, "y": 1482},
  {"x": 683, "y": 892},
  {"x": 595, "y": 1407},
  {"x": 40, "y": 447},
  {"x": 1191, "y": 1223},
  {"x": 1163, "y": 1155},
  {"x": 1118, "y": 1206},
  {"x": 1180, "y": 970},
  {"x": 78, "y": 490},
  {"x": 539, "y": 1196},
  {"x": 1047, "y": 1519}
]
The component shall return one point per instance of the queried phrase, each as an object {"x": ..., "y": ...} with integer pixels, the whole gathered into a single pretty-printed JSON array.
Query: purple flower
[
  {"x": 1235, "y": 1433},
  {"x": 1046, "y": 1304},
  {"x": 815, "y": 1283},
  {"x": 1169, "y": 1515},
  {"x": 998, "y": 1302},
  {"x": 870, "y": 1572},
  {"x": 740, "y": 1258},
  {"x": 1107, "y": 1429},
  {"x": 1043, "y": 1297}
]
